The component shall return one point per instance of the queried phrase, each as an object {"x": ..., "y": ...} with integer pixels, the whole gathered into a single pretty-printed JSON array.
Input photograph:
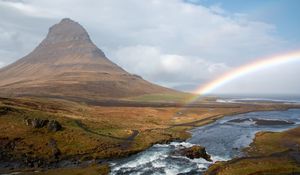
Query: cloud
[
  {"x": 1, "y": 64},
  {"x": 29, "y": 10},
  {"x": 280, "y": 79},
  {"x": 167, "y": 69},
  {"x": 170, "y": 42}
]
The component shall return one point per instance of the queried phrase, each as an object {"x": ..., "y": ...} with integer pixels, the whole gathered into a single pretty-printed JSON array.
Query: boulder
[
  {"x": 194, "y": 152},
  {"x": 54, "y": 126},
  {"x": 36, "y": 123},
  {"x": 39, "y": 123}
]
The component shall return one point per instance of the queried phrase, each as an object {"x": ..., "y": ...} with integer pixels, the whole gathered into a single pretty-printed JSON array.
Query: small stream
[{"x": 224, "y": 139}]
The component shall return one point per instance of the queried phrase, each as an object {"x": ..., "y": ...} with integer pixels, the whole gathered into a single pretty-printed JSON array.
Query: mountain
[{"x": 68, "y": 64}]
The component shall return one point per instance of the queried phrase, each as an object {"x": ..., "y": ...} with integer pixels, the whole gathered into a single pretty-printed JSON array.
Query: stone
[
  {"x": 28, "y": 122},
  {"x": 54, "y": 126},
  {"x": 39, "y": 123},
  {"x": 194, "y": 152}
]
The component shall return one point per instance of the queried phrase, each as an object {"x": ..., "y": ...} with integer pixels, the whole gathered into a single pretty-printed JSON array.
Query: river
[{"x": 224, "y": 139}]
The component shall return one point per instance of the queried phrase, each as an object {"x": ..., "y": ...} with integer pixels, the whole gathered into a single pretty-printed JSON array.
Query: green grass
[
  {"x": 259, "y": 166},
  {"x": 169, "y": 97},
  {"x": 267, "y": 143}
]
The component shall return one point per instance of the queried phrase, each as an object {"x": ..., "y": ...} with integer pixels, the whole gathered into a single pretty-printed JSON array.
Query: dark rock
[
  {"x": 28, "y": 122},
  {"x": 193, "y": 152},
  {"x": 28, "y": 161},
  {"x": 36, "y": 123},
  {"x": 55, "y": 151},
  {"x": 54, "y": 126},
  {"x": 39, "y": 123}
]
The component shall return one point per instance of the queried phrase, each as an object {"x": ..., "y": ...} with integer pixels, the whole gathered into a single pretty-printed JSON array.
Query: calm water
[{"x": 223, "y": 139}]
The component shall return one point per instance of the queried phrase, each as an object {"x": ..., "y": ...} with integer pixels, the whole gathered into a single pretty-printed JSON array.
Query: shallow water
[{"x": 223, "y": 140}]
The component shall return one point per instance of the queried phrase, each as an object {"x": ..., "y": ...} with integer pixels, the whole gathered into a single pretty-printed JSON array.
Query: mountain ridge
[{"x": 68, "y": 64}]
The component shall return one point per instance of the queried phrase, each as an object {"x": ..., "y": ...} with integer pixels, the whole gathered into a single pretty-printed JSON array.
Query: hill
[{"x": 67, "y": 64}]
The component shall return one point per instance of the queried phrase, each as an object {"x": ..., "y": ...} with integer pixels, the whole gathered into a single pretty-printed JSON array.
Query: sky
[{"x": 181, "y": 44}]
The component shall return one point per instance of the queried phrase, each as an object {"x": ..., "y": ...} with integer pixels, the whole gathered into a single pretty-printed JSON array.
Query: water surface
[{"x": 224, "y": 139}]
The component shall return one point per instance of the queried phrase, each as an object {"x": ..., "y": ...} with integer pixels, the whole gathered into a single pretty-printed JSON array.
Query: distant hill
[{"x": 68, "y": 64}]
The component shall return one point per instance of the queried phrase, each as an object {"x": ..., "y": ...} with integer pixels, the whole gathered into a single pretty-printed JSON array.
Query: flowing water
[{"x": 223, "y": 140}]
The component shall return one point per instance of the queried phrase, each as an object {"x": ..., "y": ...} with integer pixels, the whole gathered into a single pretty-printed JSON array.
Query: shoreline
[{"x": 268, "y": 153}]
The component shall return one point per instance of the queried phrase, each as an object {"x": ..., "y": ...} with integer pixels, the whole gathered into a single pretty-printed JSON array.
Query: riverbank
[
  {"x": 95, "y": 134},
  {"x": 269, "y": 153}
]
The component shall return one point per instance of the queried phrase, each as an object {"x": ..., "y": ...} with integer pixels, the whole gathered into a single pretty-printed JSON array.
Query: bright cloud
[{"x": 167, "y": 69}]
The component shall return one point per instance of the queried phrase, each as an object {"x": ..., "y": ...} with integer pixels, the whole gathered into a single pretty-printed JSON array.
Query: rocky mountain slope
[{"x": 68, "y": 64}]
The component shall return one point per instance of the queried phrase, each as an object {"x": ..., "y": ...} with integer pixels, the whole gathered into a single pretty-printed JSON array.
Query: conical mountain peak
[
  {"x": 67, "y": 20},
  {"x": 65, "y": 31},
  {"x": 68, "y": 42}
]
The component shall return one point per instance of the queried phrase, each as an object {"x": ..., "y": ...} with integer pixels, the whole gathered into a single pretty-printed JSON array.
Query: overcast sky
[{"x": 176, "y": 43}]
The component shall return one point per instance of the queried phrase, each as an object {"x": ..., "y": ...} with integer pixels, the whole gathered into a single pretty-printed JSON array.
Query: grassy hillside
[{"x": 171, "y": 98}]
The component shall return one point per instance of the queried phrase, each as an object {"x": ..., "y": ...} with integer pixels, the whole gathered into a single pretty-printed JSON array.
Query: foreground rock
[
  {"x": 194, "y": 152},
  {"x": 37, "y": 123},
  {"x": 52, "y": 125}
]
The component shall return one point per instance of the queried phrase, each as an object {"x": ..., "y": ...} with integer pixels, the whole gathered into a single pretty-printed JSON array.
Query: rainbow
[{"x": 247, "y": 69}]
